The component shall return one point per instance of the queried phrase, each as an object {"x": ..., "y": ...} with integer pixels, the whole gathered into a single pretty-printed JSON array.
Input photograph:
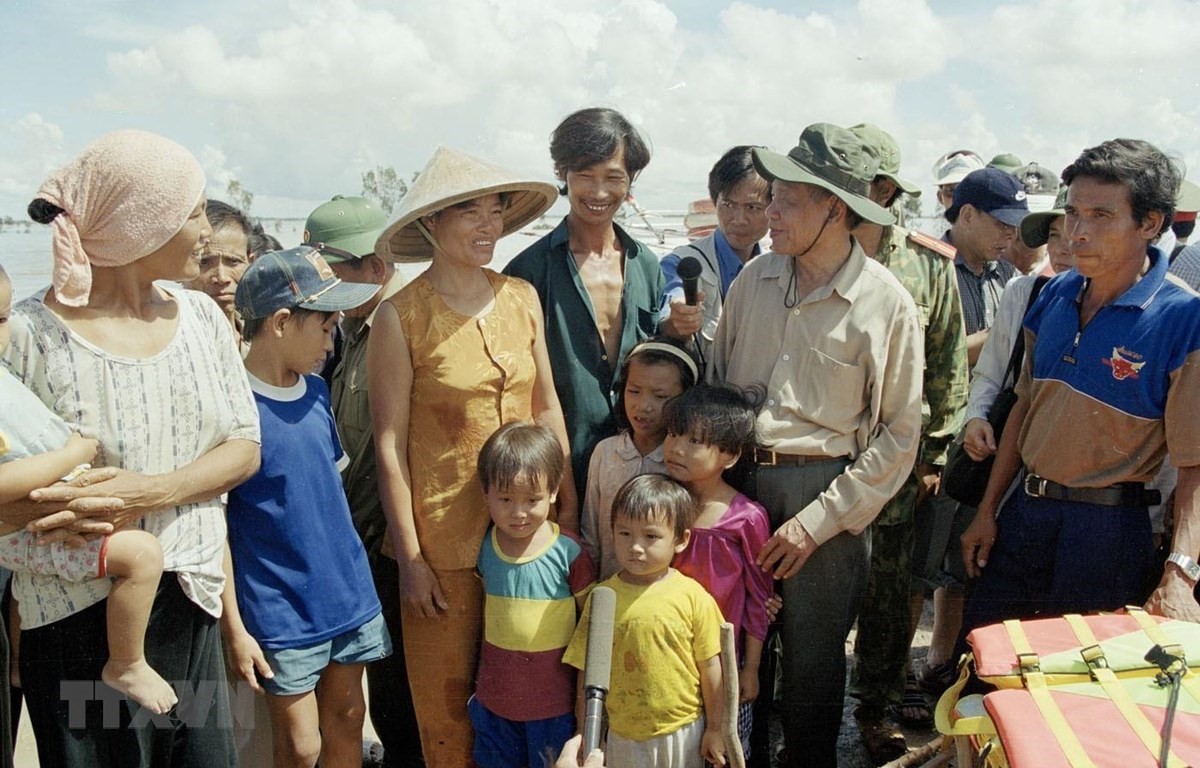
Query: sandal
[
  {"x": 913, "y": 710},
  {"x": 881, "y": 737},
  {"x": 936, "y": 679}
]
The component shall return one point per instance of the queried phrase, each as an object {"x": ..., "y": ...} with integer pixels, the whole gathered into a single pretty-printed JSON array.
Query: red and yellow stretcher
[{"x": 1076, "y": 692}]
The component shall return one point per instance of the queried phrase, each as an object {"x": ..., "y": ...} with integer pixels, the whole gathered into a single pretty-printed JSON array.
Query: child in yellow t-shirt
[{"x": 664, "y": 703}]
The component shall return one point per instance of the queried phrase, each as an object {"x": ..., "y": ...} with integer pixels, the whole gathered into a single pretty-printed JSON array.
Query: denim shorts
[{"x": 297, "y": 670}]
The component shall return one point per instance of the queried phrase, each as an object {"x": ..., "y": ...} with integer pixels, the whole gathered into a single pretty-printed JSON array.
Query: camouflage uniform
[{"x": 881, "y": 647}]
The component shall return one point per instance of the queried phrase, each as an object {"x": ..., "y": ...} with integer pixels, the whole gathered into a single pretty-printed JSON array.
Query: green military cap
[
  {"x": 345, "y": 228},
  {"x": 1035, "y": 227},
  {"x": 880, "y": 143},
  {"x": 1007, "y": 162},
  {"x": 832, "y": 158}
]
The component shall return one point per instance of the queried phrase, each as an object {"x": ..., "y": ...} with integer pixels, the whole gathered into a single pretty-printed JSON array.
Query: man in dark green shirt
[{"x": 600, "y": 289}]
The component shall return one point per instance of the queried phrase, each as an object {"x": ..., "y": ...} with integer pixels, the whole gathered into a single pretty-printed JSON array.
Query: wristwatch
[{"x": 1186, "y": 564}]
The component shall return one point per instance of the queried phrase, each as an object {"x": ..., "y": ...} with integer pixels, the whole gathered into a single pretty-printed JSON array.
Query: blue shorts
[
  {"x": 297, "y": 670},
  {"x": 504, "y": 743}
]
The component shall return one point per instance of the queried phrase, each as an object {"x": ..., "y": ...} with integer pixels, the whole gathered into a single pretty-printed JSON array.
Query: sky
[{"x": 297, "y": 98}]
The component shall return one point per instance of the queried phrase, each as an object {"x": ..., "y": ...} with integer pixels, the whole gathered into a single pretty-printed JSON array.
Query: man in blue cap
[{"x": 988, "y": 206}]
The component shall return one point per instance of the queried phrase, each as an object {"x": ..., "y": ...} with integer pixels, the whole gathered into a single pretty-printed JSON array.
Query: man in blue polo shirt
[{"x": 1112, "y": 367}]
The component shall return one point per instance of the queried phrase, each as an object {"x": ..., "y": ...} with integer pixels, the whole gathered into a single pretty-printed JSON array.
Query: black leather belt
[
  {"x": 765, "y": 458},
  {"x": 1119, "y": 495}
]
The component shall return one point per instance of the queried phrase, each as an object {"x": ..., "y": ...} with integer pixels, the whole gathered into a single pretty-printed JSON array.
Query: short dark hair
[
  {"x": 521, "y": 450},
  {"x": 656, "y": 498},
  {"x": 1151, "y": 177},
  {"x": 720, "y": 415},
  {"x": 951, "y": 213},
  {"x": 221, "y": 214},
  {"x": 1183, "y": 229},
  {"x": 261, "y": 242},
  {"x": 251, "y": 327},
  {"x": 652, "y": 356},
  {"x": 593, "y": 135},
  {"x": 734, "y": 167}
]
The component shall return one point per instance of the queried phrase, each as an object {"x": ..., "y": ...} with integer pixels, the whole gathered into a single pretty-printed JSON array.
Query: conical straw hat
[{"x": 453, "y": 177}]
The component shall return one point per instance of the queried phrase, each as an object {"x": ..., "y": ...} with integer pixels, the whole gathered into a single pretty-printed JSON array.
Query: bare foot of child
[{"x": 140, "y": 682}]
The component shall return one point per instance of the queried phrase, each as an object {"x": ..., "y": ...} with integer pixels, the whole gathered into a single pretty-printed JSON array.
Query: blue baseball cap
[
  {"x": 993, "y": 191},
  {"x": 297, "y": 277}
]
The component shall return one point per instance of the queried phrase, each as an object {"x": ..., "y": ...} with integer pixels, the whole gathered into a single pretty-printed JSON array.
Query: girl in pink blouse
[{"x": 709, "y": 428}]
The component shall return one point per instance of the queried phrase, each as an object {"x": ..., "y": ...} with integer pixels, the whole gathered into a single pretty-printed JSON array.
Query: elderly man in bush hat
[{"x": 836, "y": 341}]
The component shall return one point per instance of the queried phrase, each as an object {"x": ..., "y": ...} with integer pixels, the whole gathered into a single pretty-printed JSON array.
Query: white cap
[{"x": 953, "y": 167}]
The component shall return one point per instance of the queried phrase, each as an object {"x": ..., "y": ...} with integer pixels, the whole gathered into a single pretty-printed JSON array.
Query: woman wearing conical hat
[{"x": 454, "y": 355}]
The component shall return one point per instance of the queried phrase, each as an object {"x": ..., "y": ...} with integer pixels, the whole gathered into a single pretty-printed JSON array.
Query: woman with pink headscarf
[{"x": 153, "y": 373}]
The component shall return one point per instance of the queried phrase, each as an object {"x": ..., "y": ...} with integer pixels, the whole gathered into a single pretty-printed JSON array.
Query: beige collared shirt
[{"x": 843, "y": 373}]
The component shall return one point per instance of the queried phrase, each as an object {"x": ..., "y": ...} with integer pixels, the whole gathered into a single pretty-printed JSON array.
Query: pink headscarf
[{"x": 123, "y": 197}]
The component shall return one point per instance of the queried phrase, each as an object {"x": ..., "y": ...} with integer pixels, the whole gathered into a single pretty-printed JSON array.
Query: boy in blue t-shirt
[
  {"x": 300, "y": 608},
  {"x": 535, "y": 576}
]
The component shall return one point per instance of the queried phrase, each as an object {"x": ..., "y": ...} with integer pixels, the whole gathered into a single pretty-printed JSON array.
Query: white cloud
[
  {"x": 33, "y": 147},
  {"x": 297, "y": 97}
]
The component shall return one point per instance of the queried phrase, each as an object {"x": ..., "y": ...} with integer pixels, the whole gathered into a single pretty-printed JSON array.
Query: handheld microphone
[
  {"x": 597, "y": 665},
  {"x": 689, "y": 270}
]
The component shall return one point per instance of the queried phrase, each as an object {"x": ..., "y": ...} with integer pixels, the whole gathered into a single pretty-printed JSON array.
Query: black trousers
[
  {"x": 80, "y": 722},
  {"x": 391, "y": 704}
]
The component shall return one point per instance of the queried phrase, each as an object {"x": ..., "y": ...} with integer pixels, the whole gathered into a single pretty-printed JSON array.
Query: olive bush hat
[
  {"x": 345, "y": 228},
  {"x": 832, "y": 158},
  {"x": 1035, "y": 228},
  {"x": 454, "y": 177},
  {"x": 880, "y": 143}
]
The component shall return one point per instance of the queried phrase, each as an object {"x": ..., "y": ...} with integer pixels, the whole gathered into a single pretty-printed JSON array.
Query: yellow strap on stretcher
[
  {"x": 979, "y": 725},
  {"x": 1035, "y": 683},
  {"x": 1158, "y": 635},
  {"x": 1093, "y": 656}
]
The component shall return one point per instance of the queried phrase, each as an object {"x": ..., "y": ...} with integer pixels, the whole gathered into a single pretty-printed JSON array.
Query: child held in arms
[{"x": 38, "y": 449}]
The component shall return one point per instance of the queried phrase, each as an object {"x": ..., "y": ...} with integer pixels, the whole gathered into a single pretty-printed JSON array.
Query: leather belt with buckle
[
  {"x": 1119, "y": 495},
  {"x": 765, "y": 458}
]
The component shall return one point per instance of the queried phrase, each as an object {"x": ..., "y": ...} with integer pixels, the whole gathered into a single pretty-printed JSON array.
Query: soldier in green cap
[
  {"x": 836, "y": 341},
  {"x": 925, "y": 267},
  {"x": 345, "y": 230}
]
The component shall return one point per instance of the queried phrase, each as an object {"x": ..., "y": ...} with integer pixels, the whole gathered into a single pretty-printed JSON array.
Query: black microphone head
[
  {"x": 689, "y": 268},
  {"x": 598, "y": 665}
]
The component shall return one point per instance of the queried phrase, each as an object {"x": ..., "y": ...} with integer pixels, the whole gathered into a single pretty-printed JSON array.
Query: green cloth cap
[
  {"x": 347, "y": 227},
  {"x": 1007, "y": 162},
  {"x": 832, "y": 158},
  {"x": 1035, "y": 228},
  {"x": 880, "y": 143}
]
